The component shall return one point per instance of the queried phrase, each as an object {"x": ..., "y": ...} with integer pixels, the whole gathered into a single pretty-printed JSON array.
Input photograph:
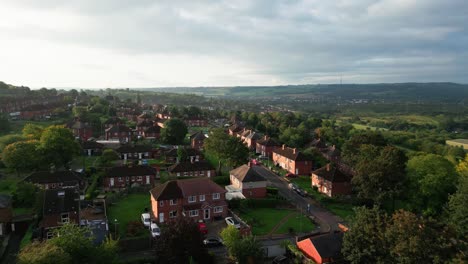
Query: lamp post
[{"x": 116, "y": 223}]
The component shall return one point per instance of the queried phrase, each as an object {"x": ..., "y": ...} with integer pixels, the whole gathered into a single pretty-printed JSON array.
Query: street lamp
[{"x": 116, "y": 223}]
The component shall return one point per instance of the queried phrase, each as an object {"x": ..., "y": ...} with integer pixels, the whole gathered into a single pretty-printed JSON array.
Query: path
[
  {"x": 326, "y": 220},
  {"x": 280, "y": 223}
]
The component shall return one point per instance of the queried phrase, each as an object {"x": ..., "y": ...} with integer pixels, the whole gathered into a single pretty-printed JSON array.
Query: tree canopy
[
  {"x": 226, "y": 148},
  {"x": 174, "y": 131},
  {"x": 22, "y": 156},
  {"x": 58, "y": 145}
]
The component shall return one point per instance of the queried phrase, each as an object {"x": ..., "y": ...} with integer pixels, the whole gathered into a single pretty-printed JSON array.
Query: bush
[
  {"x": 91, "y": 191},
  {"x": 135, "y": 228},
  {"x": 272, "y": 190},
  {"x": 222, "y": 180},
  {"x": 234, "y": 203}
]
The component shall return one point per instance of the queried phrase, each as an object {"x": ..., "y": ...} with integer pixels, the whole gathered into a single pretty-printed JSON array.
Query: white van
[
  {"x": 145, "y": 219},
  {"x": 155, "y": 231}
]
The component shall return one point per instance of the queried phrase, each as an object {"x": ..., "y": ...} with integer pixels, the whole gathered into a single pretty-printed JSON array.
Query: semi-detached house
[
  {"x": 198, "y": 198},
  {"x": 292, "y": 160}
]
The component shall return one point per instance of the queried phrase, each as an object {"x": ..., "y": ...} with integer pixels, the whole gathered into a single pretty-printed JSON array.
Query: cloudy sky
[{"x": 157, "y": 43}]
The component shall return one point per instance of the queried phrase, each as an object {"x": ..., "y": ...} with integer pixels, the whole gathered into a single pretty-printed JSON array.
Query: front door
[
  {"x": 161, "y": 217},
  {"x": 207, "y": 214},
  {"x": 112, "y": 182}
]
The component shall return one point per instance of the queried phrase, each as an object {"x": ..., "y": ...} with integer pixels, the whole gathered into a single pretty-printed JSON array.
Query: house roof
[
  {"x": 318, "y": 143},
  {"x": 43, "y": 177},
  {"x": 332, "y": 174},
  {"x": 236, "y": 128},
  {"x": 145, "y": 115},
  {"x": 184, "y": 188},
  {"x": 91, "y": 145},
  {"x": 124, "y": 171},
  {"x": 267, "y": 141},
  {"x": 61, "y": 201},
  {"x": 198, "y": 136},
  {"x": 291, "y": 154},
  {"x": 133, "y": 149},
  {"x": 328, "y": 245},
  {"x": 246, "y": 174},
  {"x": 253, "y": 135},
  {"x": 188, "y": 166},
  {"x": 118, "y": 129}
]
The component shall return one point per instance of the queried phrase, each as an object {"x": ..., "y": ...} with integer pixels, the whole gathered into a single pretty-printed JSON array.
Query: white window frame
[
  {"x": 66, "y": 219},
  {"x": 193, "y": 213},
  {"x": 178, "y": 174},
  {"x": 173, "y": 202},
  {"x": 161, "y": 203},
  {"x": 173, "y": 214},
  {"x": 216, "y": 196},
  {"x": 218, "y": 209},
  {"x": 202, "y": 198},
  {"x": 139, "y": 178},
  {"x": 192, "y": 199},
  {"x": 120, "y": 179}
]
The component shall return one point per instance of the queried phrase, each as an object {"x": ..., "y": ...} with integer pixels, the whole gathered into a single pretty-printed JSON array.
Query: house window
[
  {"x": 192, "y": 199},
  {"x": 215, "y": 196},
  {"x": 120, "y": 179},
  {"x": 139, "y": 178},
  {"x": 185, "y": 173},
  {"x": 173, "y": 214},
  {"x": 218, "y": 209},
  {"x": 202, "y": 173},
  {"x": 193, "y": 213},
  {"x": 191, "y": 173},
  {"x": 50, "y": 235},
  {"x": 202, "y": 197},
  {"x": 133, "y": 178},
  {"x": 65, "y": 218},
  {"x": 161, "y": 203},
  {"x": 173, "y": 202},
  {"x": 178, "y": 174}
]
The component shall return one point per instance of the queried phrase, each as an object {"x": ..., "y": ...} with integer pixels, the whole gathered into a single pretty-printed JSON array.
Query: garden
[{"x": 127, "y": 210}]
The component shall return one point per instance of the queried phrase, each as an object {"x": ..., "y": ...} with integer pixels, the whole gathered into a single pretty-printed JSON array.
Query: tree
[
  {"x": 462, "y": 167},
  {"x": 364, "y": 242},
  {"x": 174, "y": 131},
  {"x": 351, "y": 147},
  {"x": 180, "y": 242},
  {"x": 380, "y": 173},
  {"x": 58, "y": 145},
  {"x": 4, "y": 124},
  {"x": 32, "y": 131},
  {"x": 182, "y": 154},
  {"x": 432, "y": 179},
  {"x": 9, "y": 139},
  {"x": 43, "y": 253},
  {"x": 21, "y": 156},
  {"x": 226, "y": 148},
  {"x": 243, "y": 249},
  {"x": 458, "y": 208},
  {"x": 107, "y": 157},
  {"x": 25, "y": 194},
  {"x": 412, "y": 239}
]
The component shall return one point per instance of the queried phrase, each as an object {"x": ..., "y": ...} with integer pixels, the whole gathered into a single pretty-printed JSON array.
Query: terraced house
[
  {"x": 292, "y": 160},
  {"x": 198, "y": 198}
]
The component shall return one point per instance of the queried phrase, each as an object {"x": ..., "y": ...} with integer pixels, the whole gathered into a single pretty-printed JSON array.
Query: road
[{"x": 326, "y": 220}]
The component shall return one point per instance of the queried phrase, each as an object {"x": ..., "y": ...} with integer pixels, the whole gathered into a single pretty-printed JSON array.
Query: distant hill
[{"x": 440, "y": 92}]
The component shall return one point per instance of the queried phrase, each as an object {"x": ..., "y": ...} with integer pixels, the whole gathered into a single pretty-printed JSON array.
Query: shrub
[
  {"x": 135, "y": 228},
  {"x": 272, "y": 190},
  {"x": 222, "y": 180}
]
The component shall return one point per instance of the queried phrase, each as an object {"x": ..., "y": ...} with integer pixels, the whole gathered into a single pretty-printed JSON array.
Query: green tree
[
  {"x": 432, "y": 179},
  {"x": 350, "y": 152},
  {"x": 174, "y": 131},
  {"x": 21, "y": 156},
  {"x": 25, "y": 194},
  {"x": 226, "y": 148},
  {"x": 107, "y": 157},
  {"x": 230, "y": 236},
  {"x": 462, "y": 167},
  {"x": 32, "y": 131},
  {"x": 458, "y": 208},
  {"x": 243, "y": 249},
  {"x": 43, "y": 253},
  {"x": 380, "y": 173},
  {"x": 181, "y": 242},
  {"x": 365, "y": 241},
  {"x": 58, "y": 145},
  {"x": 4, "y": 124},
  {"x": 9, "y": 139},
  {"x": 182, "y": 154}
]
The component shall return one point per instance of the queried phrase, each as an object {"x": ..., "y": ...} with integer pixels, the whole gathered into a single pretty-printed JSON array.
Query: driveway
[{"x": 326, "y": 220}]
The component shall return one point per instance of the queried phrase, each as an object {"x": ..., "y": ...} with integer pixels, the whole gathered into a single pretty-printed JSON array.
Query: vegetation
[
  {"x": 242, "y": 249},
  {"x": 174, "y": 131},
  {"x": 227, "y": 149},
  {"x": 126, "y": 210}
]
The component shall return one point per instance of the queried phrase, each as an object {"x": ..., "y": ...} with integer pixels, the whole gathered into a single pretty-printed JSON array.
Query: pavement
[{"x": 325, "y": 219}]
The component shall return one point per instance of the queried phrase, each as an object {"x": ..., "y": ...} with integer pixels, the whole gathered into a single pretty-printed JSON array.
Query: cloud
[{"x": 165, "y": 43}]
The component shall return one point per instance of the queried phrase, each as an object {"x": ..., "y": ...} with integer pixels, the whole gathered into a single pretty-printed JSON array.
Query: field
[{"x": 458, "y": 142}]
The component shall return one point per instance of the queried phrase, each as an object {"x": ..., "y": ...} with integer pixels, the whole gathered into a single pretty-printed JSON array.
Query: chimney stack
[
  {"x": 328, "y": 166},
  {"x": 294, "y": 150},
  {"x": 266, "y": 137},
  {"x": 283, "y": 146}
]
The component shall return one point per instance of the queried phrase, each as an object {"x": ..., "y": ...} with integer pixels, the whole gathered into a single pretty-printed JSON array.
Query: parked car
[
  {"x": 146, "y": 219},
  {"x": 202, "y": 227},
  {"x": 301, "y": 192},
  {"x": 255, "y": 162},
  {"x": 293, "y": 186},
  {"x": 213, "y": 242},
  {"x": 232, "y": 221},
  {"x": 155, "y": 231},
  {"x": 290, "y": 175},
  {"x": 262, "y": 157}
]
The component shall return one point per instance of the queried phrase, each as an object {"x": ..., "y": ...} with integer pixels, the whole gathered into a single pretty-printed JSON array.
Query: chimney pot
[
  {"x": 328, "y": 166},
  {"x": 294, "y": 150},
  {"x": 266, "y": 137},
  {"x": 283, "y": 146}
]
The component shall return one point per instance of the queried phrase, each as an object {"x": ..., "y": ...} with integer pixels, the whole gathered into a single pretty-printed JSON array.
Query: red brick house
[
  {"x": 81, "y": 130},
  {"x": 112, "y": 121},
  {"x": 198, "y": 198},
  {"x": 57, "y": 179},
  {"x": 246, "y": 179},
  {"x": 197, "y": 140},
  {"x": 142, "y": 126},
  {"x": 61, "y": 206},
  {"x": 144, "y": 117},
  {"x": 196, "y": 122},
  {"x": 292, "y": 160},
  {"x": 324, "y": 248},
  {"x": 193, "y": 155},
  {"x": 235, "y": 129},
  {"x": 184, "y": 169},
  {"x": 6, "y": 214},
  {"x": 125, "y": 176},
  {"x": 134, "y": 152},
  {"x": 250, "y": 137},
  {"x": 331, "y": 181},
  {"x": 92, "y": 148},
  {"x": 265, "y": 146},
  {"x": 153, "y": 132},
  {"x": 121, "y": 133}
]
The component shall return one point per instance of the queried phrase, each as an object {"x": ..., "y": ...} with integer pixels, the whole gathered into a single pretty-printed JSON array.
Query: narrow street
[{"x": 326, "y": 220}]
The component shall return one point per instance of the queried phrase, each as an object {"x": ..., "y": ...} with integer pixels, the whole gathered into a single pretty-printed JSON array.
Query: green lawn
[
  {"x": 262, "y": 220},
  {"x": 27, "y": 237},
  {"x": 8, "y": 184},
  {"x": 87, "y": 161},
  {"x": 304, "y": 182},
  {"x": 128, "y": 209},
  {"x": 299, "y": 224},
  {"x": 22, "y": 211}
]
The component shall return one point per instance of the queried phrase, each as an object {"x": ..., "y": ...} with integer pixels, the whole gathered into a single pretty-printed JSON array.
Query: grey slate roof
[{"x": 246, "y": 174}]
